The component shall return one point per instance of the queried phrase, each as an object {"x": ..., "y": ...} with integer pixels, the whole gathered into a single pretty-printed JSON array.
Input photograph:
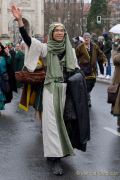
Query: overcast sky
[{"x": 87, "y": 0}]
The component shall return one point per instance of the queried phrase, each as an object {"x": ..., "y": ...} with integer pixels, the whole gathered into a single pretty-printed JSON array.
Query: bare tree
[{"x": 69, "y": 12}]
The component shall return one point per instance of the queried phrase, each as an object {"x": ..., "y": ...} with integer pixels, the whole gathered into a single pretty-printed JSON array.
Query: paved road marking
[
  {"x": 97, "y": 173},
  {"x": 112, "y": 131}
]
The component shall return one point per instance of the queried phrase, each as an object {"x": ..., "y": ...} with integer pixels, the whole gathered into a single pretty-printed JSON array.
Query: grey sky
[{"x": 87, "y": 0}]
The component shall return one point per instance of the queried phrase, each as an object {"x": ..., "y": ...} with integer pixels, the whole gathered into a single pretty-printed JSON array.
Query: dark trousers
[
  {"x": 108, "y": 67},
  {"x": 90, "y": 84},
  {"x": 108, "y": 70},
  {"x": 101, "y": 67}
]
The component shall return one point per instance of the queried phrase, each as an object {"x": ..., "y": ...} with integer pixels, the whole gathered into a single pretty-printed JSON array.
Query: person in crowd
[
  {"x": 7, "y": 78},
  {"x": 19, "y": 57},
  {"x": 94, "y": 38},
  {"x": 100, "y": 43},
  {"x": 115, "y": 109},
  {"x": 45, "y": 38},
  {"x": 115, "y": 41},
  {"x": 87, "y": 54},
  {"x": 62, "y": 75},
  {"x": 12, "y": 52},
  {"x": 18, "y": 60},
  {"x": 107, "y": 51}
]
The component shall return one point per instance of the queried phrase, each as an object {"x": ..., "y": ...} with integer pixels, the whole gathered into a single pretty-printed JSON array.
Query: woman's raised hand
[{"x": 16, "y": 12}]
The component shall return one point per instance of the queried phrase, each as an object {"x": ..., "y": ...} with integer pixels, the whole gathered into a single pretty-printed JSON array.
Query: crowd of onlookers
[{"x": 93, "y": 54}]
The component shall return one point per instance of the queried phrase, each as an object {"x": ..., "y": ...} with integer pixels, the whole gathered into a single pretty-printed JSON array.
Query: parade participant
[
  {"x": 6, "y": 87},
  {"x": 116, "y": 80},
  {"x": 87, "y": 54},
  {"x": 58, "y": 138}
]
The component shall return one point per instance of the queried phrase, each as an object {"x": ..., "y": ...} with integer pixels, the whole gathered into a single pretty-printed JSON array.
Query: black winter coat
[
  {"x": 12, "y": 82},
  {"x": 76, "y": 113}
]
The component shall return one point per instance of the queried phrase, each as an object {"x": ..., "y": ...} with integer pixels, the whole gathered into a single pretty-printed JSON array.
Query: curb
[{"x": 105, "y": 81}]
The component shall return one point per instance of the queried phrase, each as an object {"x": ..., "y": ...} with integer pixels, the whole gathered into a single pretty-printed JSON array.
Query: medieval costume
[
  {"x": 32, "y": 94},
  {"x": 63, "y": 82},
  {"x": 61, "y": 62}
]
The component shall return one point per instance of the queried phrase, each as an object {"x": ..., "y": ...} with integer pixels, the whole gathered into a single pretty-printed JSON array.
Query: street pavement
[
  {"x": 21, "y": 149},
  {"x": 104, "y": 79}
]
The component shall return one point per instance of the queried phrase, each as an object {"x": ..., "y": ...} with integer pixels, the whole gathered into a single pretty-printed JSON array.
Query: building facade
[
  {"x": 33, "y": 18},
  {"x": 114, "y": 9}
]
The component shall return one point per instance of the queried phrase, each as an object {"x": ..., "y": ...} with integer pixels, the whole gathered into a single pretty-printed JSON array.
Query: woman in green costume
[{"x": 61, "y": 64}]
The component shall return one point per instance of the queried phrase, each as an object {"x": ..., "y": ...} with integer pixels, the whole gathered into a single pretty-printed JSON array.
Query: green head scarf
[{"x": 54, "y": 69}]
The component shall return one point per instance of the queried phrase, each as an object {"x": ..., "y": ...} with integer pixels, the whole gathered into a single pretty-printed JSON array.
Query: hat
[
  {"x": 81, "y": 39},
  {"x": 5, "y": 42},
  {"x": 78, "y": 39},
  {"x": 75, "y": 39},
  {"x": 105, "y": 34},
  {"x": 100, "y": 38},
  {"x": 86, "y": 34}
]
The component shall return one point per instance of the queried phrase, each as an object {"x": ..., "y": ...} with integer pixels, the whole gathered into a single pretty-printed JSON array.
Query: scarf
[{"x": 54, "y": 70}]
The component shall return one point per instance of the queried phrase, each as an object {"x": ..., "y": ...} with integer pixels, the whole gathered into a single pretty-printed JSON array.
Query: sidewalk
[{"x": 104, "y": 80}]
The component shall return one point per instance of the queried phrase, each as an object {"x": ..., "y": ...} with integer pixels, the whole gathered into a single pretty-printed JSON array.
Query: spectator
[
  {"x": 100, "y": 43},
  {"x": 7, "y": 78},
  {"x": 107, "y": 52},
  {"x": 18, "y": 60},
  {"x": 87, "y": 54},
  {"x": 115, "y": 109}
]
